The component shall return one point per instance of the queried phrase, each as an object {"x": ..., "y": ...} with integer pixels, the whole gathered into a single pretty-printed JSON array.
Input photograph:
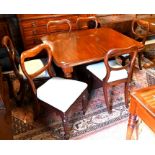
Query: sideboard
[{"x": 33, "y": 26}]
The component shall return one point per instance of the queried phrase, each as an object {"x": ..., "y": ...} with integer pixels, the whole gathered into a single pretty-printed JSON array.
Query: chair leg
[
  {"x": 139, "y": 60},
  {"x": 131, "y": 126},
  {"x": 36, "y": 108},
  {"x": 105, "y": 92},
  {"x": 21, "y": 93},
  {"x": 84, "y": 103},
  {"x": 65, "y": 126},
  {"x": 10, "y": 85},
  {"x": 126, "y": 94}
]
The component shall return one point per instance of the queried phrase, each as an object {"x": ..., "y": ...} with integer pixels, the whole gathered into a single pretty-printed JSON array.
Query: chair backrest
[
  {"x": 140, "y": 29},
  {"x": 47, "y": 65},
  {"x": 131, "y": 51},
  {"x": 87, "y": 22},
  {"x": 59, "y": 26},
  {"x": 12, "y": 53}
]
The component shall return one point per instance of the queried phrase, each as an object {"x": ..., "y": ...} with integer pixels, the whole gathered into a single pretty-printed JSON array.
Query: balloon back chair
[
  {"x": 34, "y": 64},
  {"x": 142, "y": 105},
  {"x": 110, "y": 73},
  {"x": 87, "y": 23},
  {"x": 59, "y": 93},
  {"x": 63, "y": 25},
  {"x": 140, "y": 30}
]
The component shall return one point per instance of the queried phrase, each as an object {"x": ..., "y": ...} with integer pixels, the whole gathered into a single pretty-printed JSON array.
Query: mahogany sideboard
[{"x": 33, "y": 26}]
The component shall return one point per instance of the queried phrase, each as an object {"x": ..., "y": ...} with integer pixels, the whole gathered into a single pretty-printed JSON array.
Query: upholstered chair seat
[
  {"x": 68, "y": 89},
  {"x": 99, "y": 70}
]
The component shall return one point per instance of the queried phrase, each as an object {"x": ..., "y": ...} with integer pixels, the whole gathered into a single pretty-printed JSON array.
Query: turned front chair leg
[
  {"x": 126, "y": 93},
  {"x": 105, "y": 92},
  {"x": 84, "y": 103},
  {"x": 132, "y": 122},
  {"x": 139, "y": 60}
]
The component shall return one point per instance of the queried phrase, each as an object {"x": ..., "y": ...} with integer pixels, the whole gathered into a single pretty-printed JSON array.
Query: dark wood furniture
[
  {"x": 4, "y": 30},
  {"x": 139, "y": 35},
  {"x": 87, "y": 22},
  {"x": 82, "y": 47},
  {"x": 58, "y": 93},
  {"x": 120, "y": 22},
  {"x": 33, "y": 26},
  {"x": 5, "y": 112},
  {"x": 62, "y": 25},
  {"x": 31, "y": 65},
  {"x": 14, "y": 61},
  {"x": 150, "y": 22},
  {"x": 142, "y": 105},
  {"x": 109, "y": 73}
]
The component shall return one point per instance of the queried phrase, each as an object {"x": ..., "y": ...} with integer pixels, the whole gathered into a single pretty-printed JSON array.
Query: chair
[
  {"x": 142, "y": 105},
  {"x": 87, "y": 23},
  {"x": 140, "y": 32},
  {"x": 58, "y": 93},
  {"x": 15, "y": 62},
  {"x": 63, "y": 25},
  {"x": 109, "y": 73}
]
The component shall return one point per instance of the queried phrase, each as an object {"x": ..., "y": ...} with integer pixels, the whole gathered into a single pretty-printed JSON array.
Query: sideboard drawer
[{"x": 35, "y": 31}]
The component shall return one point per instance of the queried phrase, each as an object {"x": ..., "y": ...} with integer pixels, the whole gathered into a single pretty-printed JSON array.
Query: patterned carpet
[{"x": 96, "y": 118}]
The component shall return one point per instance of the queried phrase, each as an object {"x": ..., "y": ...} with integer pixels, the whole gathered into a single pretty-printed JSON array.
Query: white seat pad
[
  {"x": 60, "y": 93},
  {"x": 33, "y": 66},
  {"x": 99, "y": 70}
]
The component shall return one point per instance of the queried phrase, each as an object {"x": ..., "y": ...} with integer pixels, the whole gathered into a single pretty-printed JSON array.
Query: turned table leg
[{"x": 132, "y": 122}]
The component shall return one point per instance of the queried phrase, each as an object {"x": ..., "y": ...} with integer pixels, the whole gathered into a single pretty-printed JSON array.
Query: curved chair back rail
[
  {"x": 144, "y": 27},
  {"x": 32, "y": 53},
  {"x": 87, "y": 22},
  {"x": 131, "y": 51},
  {"x": 12, "y": 53},
  {"x": 60, "y": 25}
]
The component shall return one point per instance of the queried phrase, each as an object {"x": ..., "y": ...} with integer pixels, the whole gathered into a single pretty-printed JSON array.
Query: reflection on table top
[{"x": 85, "y": 46}]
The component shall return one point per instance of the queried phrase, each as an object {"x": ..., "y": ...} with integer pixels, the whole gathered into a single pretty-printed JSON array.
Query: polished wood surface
[
  {"x": 142, "y": 105},
  {"x": 33, "y": 26},
  {"x": 81, "y": 47},
  {"x": 59, "y": 25},
  {"x": 141, "y": 37}
]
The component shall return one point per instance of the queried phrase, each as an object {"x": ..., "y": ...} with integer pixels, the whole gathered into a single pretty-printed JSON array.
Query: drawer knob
[
  {"x": 34, "y": 32},
  {"x": 36, "y": 40},
  {"x": 33, "y": 24}
]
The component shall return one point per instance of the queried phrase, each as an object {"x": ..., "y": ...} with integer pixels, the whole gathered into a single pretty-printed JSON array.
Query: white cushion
[
  {"x": 60, "y": 93},
  {"x": 148, "y": 42},
  {"x": 33, "y": 66},
  {"x": 99, "y": 70}
]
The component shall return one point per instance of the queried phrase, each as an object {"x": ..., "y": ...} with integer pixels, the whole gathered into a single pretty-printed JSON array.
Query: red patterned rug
[{"x": 95, "y": 119}]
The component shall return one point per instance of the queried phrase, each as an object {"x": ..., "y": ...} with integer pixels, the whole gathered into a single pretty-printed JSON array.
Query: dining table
[{"x": 85, "y": 46}]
